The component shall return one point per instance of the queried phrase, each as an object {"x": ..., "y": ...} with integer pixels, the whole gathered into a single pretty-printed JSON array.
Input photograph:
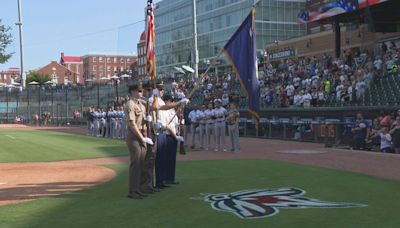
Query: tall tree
[
  {"x": 38, "y": 77},
  {"x": 5, "y": 40}
]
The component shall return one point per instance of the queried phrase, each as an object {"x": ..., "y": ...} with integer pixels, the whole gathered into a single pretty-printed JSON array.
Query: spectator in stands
[
  {"x": 321, "y": 97},
  {"x": 35, "y": 118},
  {"x": 361, "y": 132},
  {"x": 360, "y": 89},
  {"x": 77, "y": 114},
  {"x": 327, "y": 86},
  {"x": 386, "y": 121},
  {"x": 283, "y": 99},
  {"x": 386, "y": 139},
  {"x": 307, "y": 99},
  {"x": 290, "y": 93},
  {"x": 18, "y": 120},
  {"x": 395, "y": 132}
]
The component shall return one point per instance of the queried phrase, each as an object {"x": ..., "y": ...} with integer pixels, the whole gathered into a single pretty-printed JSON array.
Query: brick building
[
  {"x": 59, "y": 74},
  {"x": 74, "y": 64},
  {"x": 8, "y": 76},
  {"x": 97, "y": 66},
  {"x": 141, "y": 50}
]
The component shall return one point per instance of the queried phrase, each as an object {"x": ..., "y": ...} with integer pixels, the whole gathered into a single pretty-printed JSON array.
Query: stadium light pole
[
  {"x": 17, "y": 95},
  {"x": 7, "y": 88},
  {"x": 28, "y": 106},
  {"x": 21, "y": 42},
  {"x": 196, "y": 51}
]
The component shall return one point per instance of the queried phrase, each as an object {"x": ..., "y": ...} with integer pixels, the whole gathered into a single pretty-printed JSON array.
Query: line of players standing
[
  {"x": 109, "y": 124},
  {"x": 210, "y": 121}
]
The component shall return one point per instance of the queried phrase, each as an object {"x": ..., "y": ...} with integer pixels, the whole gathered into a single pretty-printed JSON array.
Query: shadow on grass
[{"x": 35, "y": 191}]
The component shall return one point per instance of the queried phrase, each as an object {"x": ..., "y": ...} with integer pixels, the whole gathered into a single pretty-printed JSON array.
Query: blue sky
[{"x": 74, "y": 27}]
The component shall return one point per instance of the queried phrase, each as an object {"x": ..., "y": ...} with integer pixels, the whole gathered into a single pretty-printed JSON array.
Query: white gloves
[
  {"x": 149, "y": 118},
  {"x": 184, "y": 101},
  {"x": 156, "y": 92},
  {"x": 148, "y": 141},
  {"x": 180, "y": 139}
]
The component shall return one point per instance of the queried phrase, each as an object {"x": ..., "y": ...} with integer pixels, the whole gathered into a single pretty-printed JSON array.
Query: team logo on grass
[{"x": 260, "y": 203}]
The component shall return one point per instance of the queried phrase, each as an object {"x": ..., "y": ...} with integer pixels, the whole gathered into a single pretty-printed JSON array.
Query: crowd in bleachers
[{"x": 312, "y": 81}]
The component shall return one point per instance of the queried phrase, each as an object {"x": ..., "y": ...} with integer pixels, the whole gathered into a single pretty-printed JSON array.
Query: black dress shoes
[
  {"x": 141, "y": 194},
  {"x": 134, "y": 196},
  {"x": 162, "y": 186},
  {"x": 173, "y": 182}
]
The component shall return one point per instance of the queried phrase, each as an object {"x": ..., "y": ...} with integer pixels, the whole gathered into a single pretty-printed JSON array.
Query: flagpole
[
  {"x": 21, "y": 44},
  {"x": 196, "y": 51}
]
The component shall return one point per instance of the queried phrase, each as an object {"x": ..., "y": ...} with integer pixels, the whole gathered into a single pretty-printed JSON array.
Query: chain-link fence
[{"x": 31, "y": 105}]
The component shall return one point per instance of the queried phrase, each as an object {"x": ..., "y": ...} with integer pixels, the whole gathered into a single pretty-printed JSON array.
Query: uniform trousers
[
  {"x": 137, "y": 154},
  {"x": 161, "y": 155},
  {"x": 233, "y": 131},
  {"x": 210, "y": 130},
  {"x": 148, "y": 171},
  {"x": 193, "y": 127},
  {"x": 220, "y": 135},
  {"x": 172, "y": 146},
  {"x": 203, "y": 135},
  {"x": 112, "y": 127}
]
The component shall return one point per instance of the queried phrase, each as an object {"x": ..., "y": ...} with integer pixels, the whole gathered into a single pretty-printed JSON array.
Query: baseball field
[{"x": 50, "y": 178}]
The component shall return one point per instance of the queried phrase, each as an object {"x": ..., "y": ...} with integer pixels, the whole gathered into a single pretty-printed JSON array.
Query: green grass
[
  {"x": 106, "y": 205},
  {"x": 43, "y": 146}
]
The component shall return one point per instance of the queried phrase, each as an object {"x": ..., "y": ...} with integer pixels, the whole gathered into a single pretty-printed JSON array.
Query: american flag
[
  {"x": 334, "y": 8},
  {"x": 150, "y": 40},
  {"x": 365, "y": 3}
]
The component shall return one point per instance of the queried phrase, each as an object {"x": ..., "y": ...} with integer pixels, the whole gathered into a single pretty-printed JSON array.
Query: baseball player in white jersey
[{"x": 220, "y": 114}]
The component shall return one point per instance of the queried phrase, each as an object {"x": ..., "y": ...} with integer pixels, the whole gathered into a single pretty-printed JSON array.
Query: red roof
[
  {"x": 143, "y": 36},
  {"x": 12, "y": 70},
  {"x": 71, "y": 59}
]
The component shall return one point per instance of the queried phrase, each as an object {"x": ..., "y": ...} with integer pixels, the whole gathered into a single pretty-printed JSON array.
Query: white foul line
[{"x": 11, "y": 137}]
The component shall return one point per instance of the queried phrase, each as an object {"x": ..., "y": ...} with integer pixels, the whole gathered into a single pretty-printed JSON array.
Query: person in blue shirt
[{"x": 361, "y": 132}]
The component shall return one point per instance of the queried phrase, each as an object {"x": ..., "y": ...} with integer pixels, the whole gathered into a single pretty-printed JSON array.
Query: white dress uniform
[
  {"x": 220, "y": 126},
  {"x": 210, "y": 127},
  {"x": 193, "y": 126},
  {"x": 203, "y": 124},
  {"x": 97, "y": 117},
  {"x": 103, "y": 124},
  {"x": 114, "y": 124}
]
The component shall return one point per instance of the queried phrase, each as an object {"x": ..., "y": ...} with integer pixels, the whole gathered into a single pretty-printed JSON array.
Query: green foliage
[
  {"x": 37, "y": 77},
  {"x": 5, "y": 41}
]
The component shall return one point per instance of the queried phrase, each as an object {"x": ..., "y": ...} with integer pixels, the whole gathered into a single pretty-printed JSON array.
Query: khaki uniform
[
  {"x": 233, "y": 128},
  {"x": 135, "y": 111},
  {"x": 149, "y": 161}
]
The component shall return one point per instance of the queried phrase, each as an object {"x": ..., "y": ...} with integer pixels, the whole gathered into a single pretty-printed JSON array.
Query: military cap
[
  {"x": 168, "y": 97},
  {"x": 148, "y": 85},
  {"x": 135, "y": 86},
  {"x": 218, "y": 100},
  {"x": 160, "y": 85}
]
